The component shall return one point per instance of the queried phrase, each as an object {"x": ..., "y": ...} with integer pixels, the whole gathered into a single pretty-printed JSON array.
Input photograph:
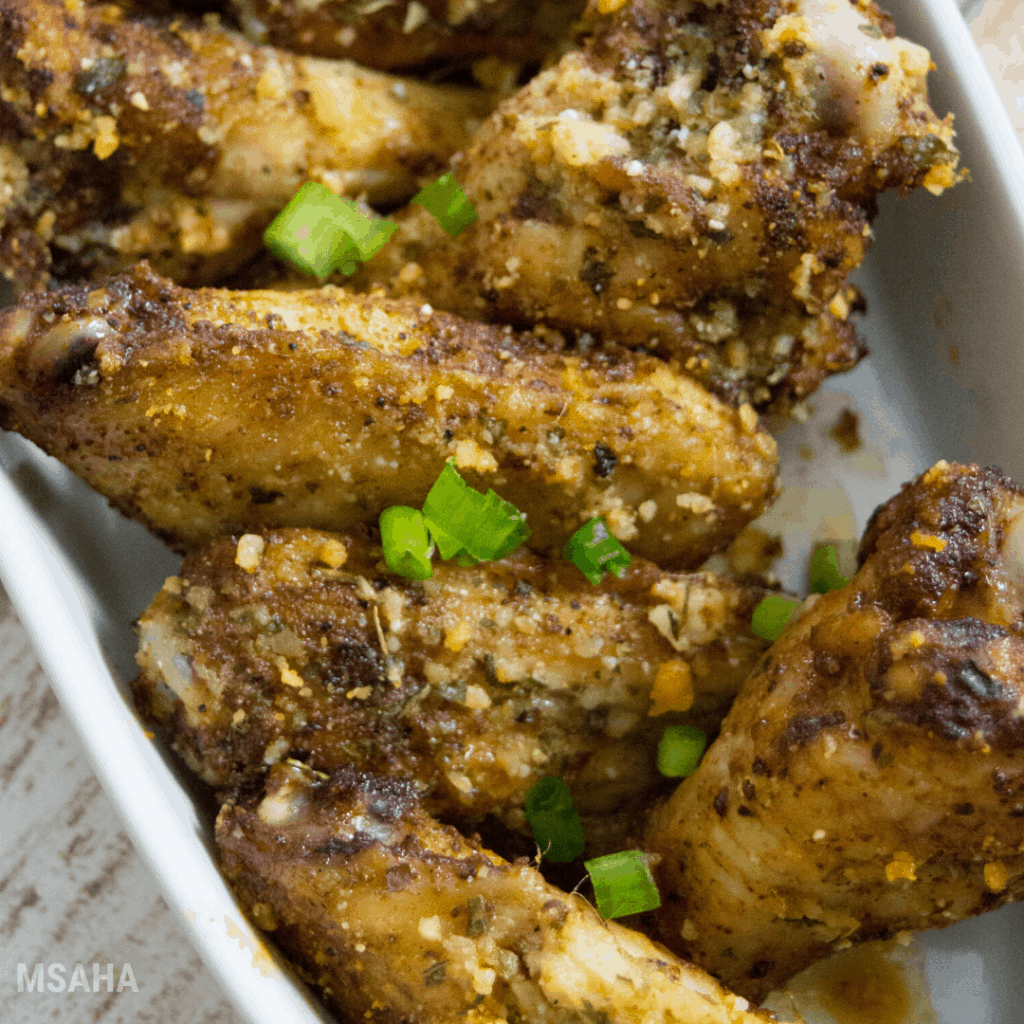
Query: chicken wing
[
  {"x": 474, "y": 683},
  {"x": 178, "y": 142},
  {"x": 395, "y": 917},
  {"x": 409, "y": 34},
  {"x": 205, "y": 413},
  {"x": 697, "y": 179},
  {"x": 870, "y": 777},
  {"x": 22, "y": 258}
]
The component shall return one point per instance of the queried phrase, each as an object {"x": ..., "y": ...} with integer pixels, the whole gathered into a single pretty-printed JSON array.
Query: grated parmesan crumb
[
  {"x": 698, "y": 504},
  {"x": 469, "y": 455},
  {"x": 902, "y": 865},
  {"x": 249, "y": 552},
  {"x": 673, "y": 688},
  {"x": 458, "y": 636},
  {"x": 477, "y": 698},
  {"x": 333, "y": 554},
  {"x": 996, "y": 876}
]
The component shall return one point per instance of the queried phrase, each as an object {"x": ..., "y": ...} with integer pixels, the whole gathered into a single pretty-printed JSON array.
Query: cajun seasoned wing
[
  {"x": 74, "y": 219},
  {"x": 408, "y": 34},
  {"x": 178, "y": 142},
  {"x": 205, "y": 413},
  {"x": 870, "y": 777},
  {"x": 395, "y": 917},
  {"x": 698, "y": 179},
  {"x": 474, "y": 683},
  {"x": 14, "y": 183}
]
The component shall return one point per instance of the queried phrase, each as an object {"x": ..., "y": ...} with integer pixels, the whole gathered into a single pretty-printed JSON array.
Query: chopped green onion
[
  {"x": 772, "y": 615},
  {"x": 824, "y": 574},
  {"x": 319, "y": 232},
  {"x": 469, "y": 524},
  {"x": 407, "y": 547},
  {"x": 623, "y": 884},
  {"x": 594, "y": 551},
  {"x": 680, "y": 750},
  {"x": 374, "y": 234},
  {"x": 306, "y": 232},
  {"x": 556, "y": 825},
  {"x": 448, "y": 203}
]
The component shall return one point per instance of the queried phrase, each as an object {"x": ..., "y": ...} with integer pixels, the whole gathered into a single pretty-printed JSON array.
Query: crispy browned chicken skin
[
  {"x": 396, "y": 918},
  {"x": 203, "y": 413},
  {"x": 409, "y": 34},
  {"x": 870, "y": 777},
  {"x": 474, "y": 683},
  {"x": 179, "y": 141},
  {"x": 697, "y": 179}
]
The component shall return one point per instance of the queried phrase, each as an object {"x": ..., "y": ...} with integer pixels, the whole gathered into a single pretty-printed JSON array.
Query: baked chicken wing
[
  {"x": 397, "y": 918},
  {"x": 179, "y": 141},
  {"x": 870, "y": 777},
  {"x": 409, "y": 34},
  {"x": 474, "y": 683},
  {"x": 203, "y": 413},
  {"x": 698, "y": 179}
]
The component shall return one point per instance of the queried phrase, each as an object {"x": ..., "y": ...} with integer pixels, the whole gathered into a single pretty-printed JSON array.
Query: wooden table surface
[{"x": 72, "y": 888}]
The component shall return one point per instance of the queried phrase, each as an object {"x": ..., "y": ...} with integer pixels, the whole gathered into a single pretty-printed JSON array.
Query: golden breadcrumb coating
[
  {"x": 698, "y": 179},
  {"x": 204, "y": 413},
  {"x": 179, "y": 141},
  {"x": 870, "y": 777},
  {"x": 395, "y": 917}
]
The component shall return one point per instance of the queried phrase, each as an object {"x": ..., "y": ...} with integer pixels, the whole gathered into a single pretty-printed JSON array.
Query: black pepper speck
[{"x": 605, "y": 460}]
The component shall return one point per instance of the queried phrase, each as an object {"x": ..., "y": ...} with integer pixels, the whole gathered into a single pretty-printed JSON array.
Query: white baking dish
[{"x": 946, "y": 272}]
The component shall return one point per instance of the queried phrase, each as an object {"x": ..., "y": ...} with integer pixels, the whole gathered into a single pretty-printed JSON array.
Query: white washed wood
[{"x": 72, "y": 888}]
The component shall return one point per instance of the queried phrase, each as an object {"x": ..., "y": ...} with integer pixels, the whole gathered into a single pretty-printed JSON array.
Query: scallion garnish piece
[
  {"x": 556, "y": 825},
  {"x": 623, "y": 884},
  {"x": 772, "y": 615},
  {"x": 465, "y": 522},
  {"x": 445, "y": 199},
  {"x": 824, "y": 574},
  {"x": 680, "y": 750},
  {"x": 594, "y": 551},
  {"x": 407, "y": 547},
  {"x": 374, "y": 233},
  {"x": 319, "y": 232}
]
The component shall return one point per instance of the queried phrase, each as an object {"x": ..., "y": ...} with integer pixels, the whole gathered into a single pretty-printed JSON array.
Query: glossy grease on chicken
[
  {"x": 179, "y": 141},
  {"x": 870, "y": 777},
  {"x": 397, "y": 918},
  {"x": 203, "y": 413},
  {"x": 698, "y": 179},
  {"x": 474, "y": 683}
]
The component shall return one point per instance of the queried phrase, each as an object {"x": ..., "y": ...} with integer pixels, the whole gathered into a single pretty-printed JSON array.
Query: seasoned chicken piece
[
  {"x": 14, "y": 185},
  {"x": 72, "y": 220},
  {"x": 699, "y": 180},
  {"x": 204, "y": 413},
  {"x": 406, "y": 33},
  {"x": 188, "y": 139},
  {"x": 395, "y": 917},
  {"x": 474, "y": 683},
  {"x": 155, "y": 8},
  {"x": 870, "y": 777}
]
